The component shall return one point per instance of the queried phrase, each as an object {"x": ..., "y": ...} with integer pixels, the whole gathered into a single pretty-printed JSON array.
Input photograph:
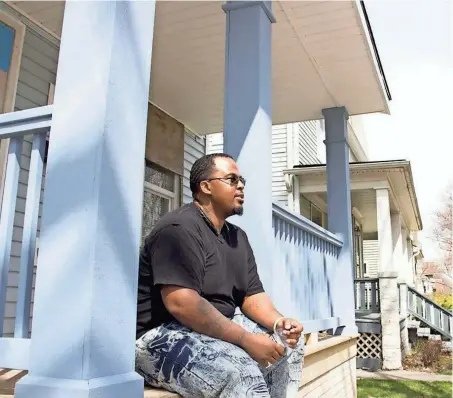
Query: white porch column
[
  {"x": 83, "y": 337},
  {"x": 404, "y": 275},
  {"x": 399, "y": 264},
  {"x": 248, "y": 121},
  {"x": 388, "y": 285},
  {"x": 339, "y": 213}
]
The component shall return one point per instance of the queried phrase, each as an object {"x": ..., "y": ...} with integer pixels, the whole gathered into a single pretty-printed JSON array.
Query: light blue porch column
[
  {"x": 339, "y": 213},
  {"x": 248, "y": 121},
  {"x": 83, "y": 332}
]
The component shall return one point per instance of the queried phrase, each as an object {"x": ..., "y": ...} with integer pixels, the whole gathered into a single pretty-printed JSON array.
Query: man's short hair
[{"x": 202, "y": 170}]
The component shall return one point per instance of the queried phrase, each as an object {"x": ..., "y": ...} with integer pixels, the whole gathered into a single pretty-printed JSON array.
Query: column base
[{"x": 128, "y": 385}]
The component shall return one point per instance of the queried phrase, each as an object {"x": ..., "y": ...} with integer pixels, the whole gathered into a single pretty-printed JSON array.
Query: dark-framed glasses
[{"x": 232, "y": 180}]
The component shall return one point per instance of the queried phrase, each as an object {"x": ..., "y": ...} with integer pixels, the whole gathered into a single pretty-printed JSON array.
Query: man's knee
[{"x": 247, "y": 382}]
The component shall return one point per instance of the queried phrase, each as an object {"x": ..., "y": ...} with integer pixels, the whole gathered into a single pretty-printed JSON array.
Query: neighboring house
[
  {"x": 434, "y": 278},
  {"x": 299, "y": 221}
]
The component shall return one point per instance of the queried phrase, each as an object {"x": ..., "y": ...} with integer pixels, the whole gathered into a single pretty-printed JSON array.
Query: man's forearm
[
  {"x": 201, "y": 316},
  {"x": 259, "y": 308}
]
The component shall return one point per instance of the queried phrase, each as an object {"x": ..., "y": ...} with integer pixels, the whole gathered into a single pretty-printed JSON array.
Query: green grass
[{"x": 368, "y": 388}]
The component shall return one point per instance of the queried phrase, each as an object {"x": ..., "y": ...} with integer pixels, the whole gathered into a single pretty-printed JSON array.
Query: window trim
[{"x": 172, "y": 196}]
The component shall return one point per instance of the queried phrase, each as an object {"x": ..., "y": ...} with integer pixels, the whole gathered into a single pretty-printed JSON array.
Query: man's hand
[
  {"x": 262, "y": 349},
  {"x": 291, "y": 331}
]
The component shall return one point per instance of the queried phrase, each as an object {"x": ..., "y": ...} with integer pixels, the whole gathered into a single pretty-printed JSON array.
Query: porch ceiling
[
  {"x": 365, "y": 178},
  {"x": 322, "y": 57}
]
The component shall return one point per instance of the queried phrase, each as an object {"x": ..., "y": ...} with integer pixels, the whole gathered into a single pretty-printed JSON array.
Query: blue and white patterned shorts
[{"x": 180, "y": 360}]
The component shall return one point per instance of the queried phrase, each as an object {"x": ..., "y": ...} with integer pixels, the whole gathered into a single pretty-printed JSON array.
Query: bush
[
  {"x": 444, "y": 300},
  {"x": 430, "y": 352}
]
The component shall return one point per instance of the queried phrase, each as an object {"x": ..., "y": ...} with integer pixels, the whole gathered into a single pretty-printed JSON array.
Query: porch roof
[
  {"x": 323, "y": 56},
  {"x": 396, "y": 175}
]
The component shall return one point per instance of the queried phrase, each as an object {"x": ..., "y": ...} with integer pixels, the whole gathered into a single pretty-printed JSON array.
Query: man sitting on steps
[{"x": 205, "y": 326}]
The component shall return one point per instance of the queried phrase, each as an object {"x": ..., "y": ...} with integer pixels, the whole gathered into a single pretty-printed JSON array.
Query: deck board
[{"x": 9, "y": 378}]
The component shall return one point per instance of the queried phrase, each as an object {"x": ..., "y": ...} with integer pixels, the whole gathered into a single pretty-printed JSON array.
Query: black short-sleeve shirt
[{"x": 184, "y": 249}]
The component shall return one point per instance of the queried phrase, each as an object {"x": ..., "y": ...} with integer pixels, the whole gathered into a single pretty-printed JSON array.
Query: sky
[{"x": 415, "y": 43}]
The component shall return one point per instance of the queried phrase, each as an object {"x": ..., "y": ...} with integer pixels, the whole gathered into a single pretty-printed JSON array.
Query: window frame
[{"x": 173, "y": 197}]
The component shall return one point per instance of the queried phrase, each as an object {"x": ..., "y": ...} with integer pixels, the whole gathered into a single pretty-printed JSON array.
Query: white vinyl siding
[
  {"x": 279, "y": 163},
  {"x": 38, "y": 70},
  {"x": 371, "y": 257},
  {"x": 194, "y": 148},
  {"x": 214, "y": 143},
  {"x": 307, "y": 141}
]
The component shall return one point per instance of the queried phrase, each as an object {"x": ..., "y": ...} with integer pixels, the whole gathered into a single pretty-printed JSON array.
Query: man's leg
[
  {"x": 282, "y": 378},
  {"x": 193, "y": 365}
]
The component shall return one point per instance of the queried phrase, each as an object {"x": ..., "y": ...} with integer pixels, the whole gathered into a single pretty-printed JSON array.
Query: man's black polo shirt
[{"x": 184, "y": 249}]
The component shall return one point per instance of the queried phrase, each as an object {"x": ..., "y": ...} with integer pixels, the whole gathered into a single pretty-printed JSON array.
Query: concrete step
[
  {"x": 412, "y": 324},
  {"x": 423, "y": 332},
  {"x": 435, "y": 337}
]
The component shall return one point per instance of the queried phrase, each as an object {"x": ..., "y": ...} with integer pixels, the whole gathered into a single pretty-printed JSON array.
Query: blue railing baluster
[
  {"x": 7, "y": 218},
  {"x": 308, "y": 254},
  {"x": 22, "y": 324}
]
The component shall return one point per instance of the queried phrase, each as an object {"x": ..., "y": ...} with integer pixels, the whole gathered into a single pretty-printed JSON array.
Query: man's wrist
[
  {"x": 274, "y": 325},
  {"x": 242, "y": 339}
]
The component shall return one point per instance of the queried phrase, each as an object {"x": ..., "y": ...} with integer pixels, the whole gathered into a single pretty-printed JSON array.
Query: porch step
[
  {"x": 423, "y": 332},
  {"x": 412, "y": 324},
  {"x": 9, "y": 378}
]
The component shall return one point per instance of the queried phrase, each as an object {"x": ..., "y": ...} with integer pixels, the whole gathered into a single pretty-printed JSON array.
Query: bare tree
[{"x": 443, "y": 228}]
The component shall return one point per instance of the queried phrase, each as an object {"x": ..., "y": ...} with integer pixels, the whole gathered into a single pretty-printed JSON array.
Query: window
[
  {"x": 312, "y": 212},
  {"x": 316, "y": 215},
  {"x": 160, "y": 195}
]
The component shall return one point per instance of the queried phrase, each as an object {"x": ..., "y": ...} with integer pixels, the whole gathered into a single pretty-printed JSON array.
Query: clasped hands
[{"x": 264, "y": 350}]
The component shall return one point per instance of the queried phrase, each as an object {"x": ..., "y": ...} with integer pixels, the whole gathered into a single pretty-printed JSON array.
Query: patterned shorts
[{"x": 180, "y": 360}]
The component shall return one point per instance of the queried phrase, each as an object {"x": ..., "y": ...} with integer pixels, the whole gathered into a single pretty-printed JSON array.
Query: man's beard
[{"x": 238, "y": 210}]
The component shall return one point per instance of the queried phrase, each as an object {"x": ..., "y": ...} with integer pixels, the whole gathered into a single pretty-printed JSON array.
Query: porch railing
[
  {"x": 305, "y": 256},
  {"x": 366, "y": 294},
  {"x": 429, "y": 312},
  {"x": 15, "y": 126}
]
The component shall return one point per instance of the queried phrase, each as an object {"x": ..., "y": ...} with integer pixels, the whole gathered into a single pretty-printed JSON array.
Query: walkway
[{"x": 401, "y": 375}]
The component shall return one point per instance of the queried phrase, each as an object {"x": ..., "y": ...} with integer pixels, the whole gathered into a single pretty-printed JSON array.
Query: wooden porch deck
[{"x": 9, "y": 378}]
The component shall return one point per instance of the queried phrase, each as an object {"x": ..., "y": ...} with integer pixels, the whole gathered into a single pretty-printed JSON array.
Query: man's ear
[{"x": 205, "y": 187}]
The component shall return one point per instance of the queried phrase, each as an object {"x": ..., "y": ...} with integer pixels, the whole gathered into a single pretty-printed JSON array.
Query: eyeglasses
[{"x": 230, "y": 180}]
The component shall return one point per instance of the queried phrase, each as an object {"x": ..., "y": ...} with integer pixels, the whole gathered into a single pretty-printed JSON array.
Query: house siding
[
  {"x": 301, "y": 150},
  {"x": 371, "y": 257},
  {"x": 307, "y": 142},
  {"x": 38, "y": 70},
  {"x": 194, "y": 148}
]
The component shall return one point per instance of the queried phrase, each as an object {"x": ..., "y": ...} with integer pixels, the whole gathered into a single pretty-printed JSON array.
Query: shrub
[
  {"x": 430, "y": 352},
  {"x": 444, "y": 300}
]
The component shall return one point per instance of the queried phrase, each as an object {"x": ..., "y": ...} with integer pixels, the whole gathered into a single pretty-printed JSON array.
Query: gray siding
[
  {"x": 38, "y": 70},
  {"x": 194, "y": 148},
  {"x": 308, "y": 142}
]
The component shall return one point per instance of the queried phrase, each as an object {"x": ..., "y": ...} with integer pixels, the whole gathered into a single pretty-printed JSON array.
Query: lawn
[{"x": 368, "y": 388}]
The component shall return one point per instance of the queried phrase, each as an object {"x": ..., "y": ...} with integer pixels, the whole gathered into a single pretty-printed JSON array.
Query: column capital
[
  {"x": 236, "y": 5},
  {"x": 335, "y": 112}
]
